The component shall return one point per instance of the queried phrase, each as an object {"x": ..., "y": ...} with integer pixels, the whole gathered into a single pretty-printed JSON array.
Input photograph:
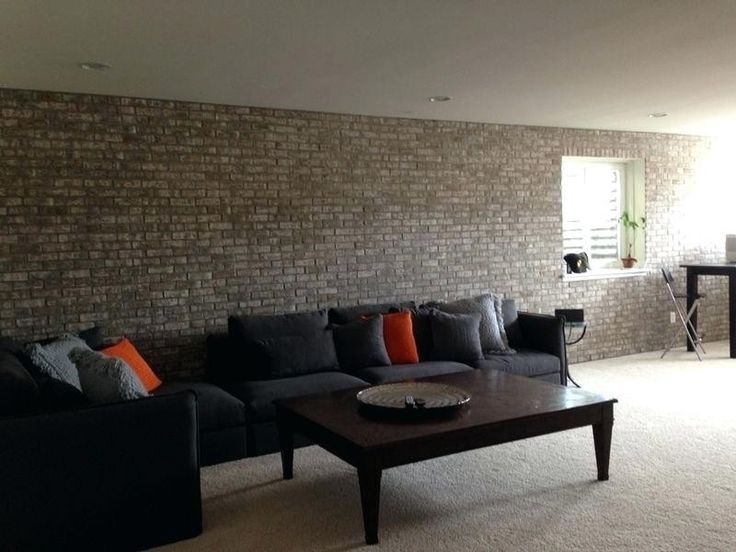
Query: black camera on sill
[{"x": 577, "y": 263}]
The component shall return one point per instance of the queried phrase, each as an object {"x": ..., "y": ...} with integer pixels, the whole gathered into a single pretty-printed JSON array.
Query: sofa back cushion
[
  {"x": 94, "y": 337},
  {"x": 343, "y": 315},
  {"x": 360, "y": 344},
  {"x": 294, "y": 355},
  {"x": 253, "y": 327},
  {"x": 19, "y": 392},
  {"x": 250, "y": 335},
  {"x": 51, "y": 394},
  {"x": 511, "y": 322},
  {"x": 223, "y": 359}
]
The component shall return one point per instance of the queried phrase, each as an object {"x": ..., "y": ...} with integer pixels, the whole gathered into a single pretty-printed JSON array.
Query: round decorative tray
[{"x": 413, "y": 397}]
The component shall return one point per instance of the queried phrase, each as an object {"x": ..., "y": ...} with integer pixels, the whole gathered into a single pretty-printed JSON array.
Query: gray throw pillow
[
  {"x": 456, "y": 336},
  {"x": 53, "y": 359},
  {"x": 360, "y": 344},
  {"x": 106, "y": 378},
  {"x": 490, "y": 333}
]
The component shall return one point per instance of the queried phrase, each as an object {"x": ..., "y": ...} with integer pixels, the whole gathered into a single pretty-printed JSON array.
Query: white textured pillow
[
  {"x": 498, "y": 303},
  {"x": 106, "y": 378},
  {"x": 53, "y": 359}
]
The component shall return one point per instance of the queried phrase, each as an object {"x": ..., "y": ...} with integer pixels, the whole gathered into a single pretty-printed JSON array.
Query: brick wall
[{"x": 158, "y": 218}]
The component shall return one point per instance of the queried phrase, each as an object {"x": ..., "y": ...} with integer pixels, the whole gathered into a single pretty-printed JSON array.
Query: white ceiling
[{"x": 602, "y": 64}]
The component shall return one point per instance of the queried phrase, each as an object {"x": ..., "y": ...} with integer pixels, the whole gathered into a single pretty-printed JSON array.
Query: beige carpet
[{"x": 672, "y": 487}]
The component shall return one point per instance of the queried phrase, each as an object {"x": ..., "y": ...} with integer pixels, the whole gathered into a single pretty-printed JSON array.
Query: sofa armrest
[
  {"x": 122, "y": 476},
  {"x": 545, "y": 333}
]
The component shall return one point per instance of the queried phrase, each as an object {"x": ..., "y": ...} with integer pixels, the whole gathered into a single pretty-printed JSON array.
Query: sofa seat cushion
[
  {"x": 524, "y": 363},
  {"x": 400, "y": 372},
  {"x": 217, "y": 408},
  {"x": 258, "y": 396}
]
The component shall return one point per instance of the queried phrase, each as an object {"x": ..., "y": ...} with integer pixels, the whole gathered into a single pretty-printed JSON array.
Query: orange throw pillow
[
  {"x": 126, "y": 351},
  {"x": 399, "y": 338}
]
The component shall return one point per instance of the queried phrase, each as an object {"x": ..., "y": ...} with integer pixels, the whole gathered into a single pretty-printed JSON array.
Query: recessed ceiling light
[
  {"x": 435, "y": 99},
  {"x": 658, "y": 115},
  {"x": 94, "y": 66}
]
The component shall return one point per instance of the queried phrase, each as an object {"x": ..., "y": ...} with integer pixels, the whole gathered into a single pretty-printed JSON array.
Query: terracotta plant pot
[{"x": 628, "y": 262}]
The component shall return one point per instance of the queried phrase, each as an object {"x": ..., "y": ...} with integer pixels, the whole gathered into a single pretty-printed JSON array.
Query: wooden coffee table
[{"x": 503, "y": 408}]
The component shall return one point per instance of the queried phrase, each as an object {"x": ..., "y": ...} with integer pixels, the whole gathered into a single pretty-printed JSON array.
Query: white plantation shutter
[{"x": 591, "y": 205}]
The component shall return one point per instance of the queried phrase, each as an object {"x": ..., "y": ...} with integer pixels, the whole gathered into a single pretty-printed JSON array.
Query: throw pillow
[
  {"x": 421, "y": 319},
  {"x": 53, "y": 359},
  {"x": 127, "y": 352},
  {"x": 106, "y": 378},
  {"x": 292, "y": 355},
  {"x": 360, "y": 344},
  {"x": 456, "y": 336},
  {"x": 57, "y": 395},
  {"x": 498, "y": 304},
  {"x": 398, "y": 336},
  {"x": 53, "y": 394},
  {"x": 490, "y": 334},
  {"x": 511, "y": 322}
]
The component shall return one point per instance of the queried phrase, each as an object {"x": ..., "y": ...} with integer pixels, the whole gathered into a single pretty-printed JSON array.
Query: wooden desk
[
  {"x": 713, "y": 269},
  {"x": 503, "y": 408}
]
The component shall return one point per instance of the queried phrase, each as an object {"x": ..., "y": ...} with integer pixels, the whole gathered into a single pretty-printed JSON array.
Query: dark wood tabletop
[
  {"x": 711, "y": 268},
  {"x": 496, "y": 398}
]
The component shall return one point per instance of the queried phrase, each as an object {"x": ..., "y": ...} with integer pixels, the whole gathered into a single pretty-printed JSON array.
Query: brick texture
[{"x": 158, "y": 218}]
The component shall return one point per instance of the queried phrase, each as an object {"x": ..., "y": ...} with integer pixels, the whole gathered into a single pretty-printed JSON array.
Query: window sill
[{"x": 605, "y": 274}]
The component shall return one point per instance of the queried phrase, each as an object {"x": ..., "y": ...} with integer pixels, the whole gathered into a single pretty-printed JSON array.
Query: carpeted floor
[{"x": 672, "y": 486}]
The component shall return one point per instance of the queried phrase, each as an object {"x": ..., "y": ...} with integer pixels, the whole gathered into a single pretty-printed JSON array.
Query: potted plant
[{"x": 631, "y": 225}]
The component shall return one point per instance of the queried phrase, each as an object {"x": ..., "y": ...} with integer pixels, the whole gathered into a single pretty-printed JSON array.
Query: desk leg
[
  {"x": 370, "y": 492},
  {"x": 692, "y": 292},
  {"x": 602, "y": 441},
  {"x": 286, "y": 443},
  {"x": 732, "y": 314}
]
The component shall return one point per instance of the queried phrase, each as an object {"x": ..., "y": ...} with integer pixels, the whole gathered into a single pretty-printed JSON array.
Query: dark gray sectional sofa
[
  {"x": 72, "y": 473},
  {"x": 239, "y": 369}
]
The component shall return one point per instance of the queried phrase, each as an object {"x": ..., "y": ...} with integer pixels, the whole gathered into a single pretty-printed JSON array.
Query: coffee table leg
[
  {"x": 286, "y": 442},
  {"x": 602, "y": 440},
  {"x": 370, "y": 495}
]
